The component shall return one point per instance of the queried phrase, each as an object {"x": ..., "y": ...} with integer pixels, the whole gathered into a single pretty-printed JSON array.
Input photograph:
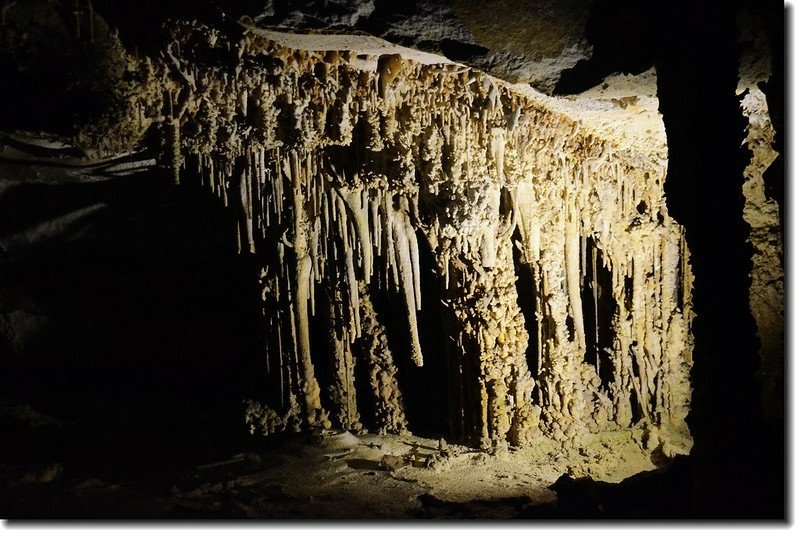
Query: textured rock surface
[
  {"x": 409, "y": 216},
  {"x": 518, "y": 41},
  {"x": 345, "y": 160},
  {"x": 268, "y": 135},
  {"x": 762, "y": 213}
]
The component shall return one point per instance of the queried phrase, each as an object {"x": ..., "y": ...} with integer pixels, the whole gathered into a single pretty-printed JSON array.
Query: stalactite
[
  {"x": 405, "y": 269},
  {"x": 302, "y": 281},
  {"x": 572, "y": 259}
]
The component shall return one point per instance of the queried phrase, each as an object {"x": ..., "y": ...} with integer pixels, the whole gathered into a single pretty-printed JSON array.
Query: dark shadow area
[
  {"x": 458, "y": 51},
  {"x": 60, "y": 61},
  {"x": 620, "y": 32},
  {"x": 694, "y": 47},
  {"x": 140, "y": 21},
  {"x": 705, "y": 129},
  {"x": 323, "y": 355},
  {"x": 425, "y": 388},
  {"x": 526, "y": 299},
  {"x": 431, "y": 507},
  {"x": 647, "y": 496},
  {"x": 777, "y": 24},
  {"x": 133, "y": 328},
  {"x": 599, "y": 307},
  {"x": 135, "y": 325}
]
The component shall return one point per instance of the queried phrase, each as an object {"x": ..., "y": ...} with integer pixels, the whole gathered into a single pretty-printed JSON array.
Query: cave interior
[{"x": 392, "y": 260}]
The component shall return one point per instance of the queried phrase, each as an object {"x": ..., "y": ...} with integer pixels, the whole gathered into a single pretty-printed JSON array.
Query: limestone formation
[
  {"x": 767, "y": 286},
  {"x": 761, "y": 212},
  {"x": 342, "y": 165},
  {"x": 353, "y": 168}
]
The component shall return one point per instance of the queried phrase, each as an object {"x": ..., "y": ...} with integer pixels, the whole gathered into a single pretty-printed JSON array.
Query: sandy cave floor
[{"x": 336, "y": 475}]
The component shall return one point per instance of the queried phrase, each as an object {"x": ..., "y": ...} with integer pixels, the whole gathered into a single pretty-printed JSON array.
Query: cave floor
[{"x": 333, "y": 475}]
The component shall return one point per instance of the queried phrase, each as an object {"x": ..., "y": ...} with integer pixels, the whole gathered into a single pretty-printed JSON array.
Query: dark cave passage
[
  {"x": 145, "y": 336},
  {"x": 425, "y": 388},
  {"x": 704, "y": 123},
  {"x": 599, "y": 308},
  {"x": 526, "y": 299}
]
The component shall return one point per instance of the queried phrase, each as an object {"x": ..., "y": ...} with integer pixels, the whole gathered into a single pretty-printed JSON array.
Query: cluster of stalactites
[
  {"x": 315, "y": 236},
  {"x": 341, "y": 166}
]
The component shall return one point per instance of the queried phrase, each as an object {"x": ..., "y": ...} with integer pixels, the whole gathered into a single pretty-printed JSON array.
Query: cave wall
[
  {"x": 341, "y": 165},
  {"x": 762, "y": 214},
  {"x": 764, "y": 202}
]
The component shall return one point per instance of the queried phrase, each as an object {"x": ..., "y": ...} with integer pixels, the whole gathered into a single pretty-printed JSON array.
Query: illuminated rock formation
[
  {"x": 343, "y": 157},
  {"x": 354, "y": 168}
]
